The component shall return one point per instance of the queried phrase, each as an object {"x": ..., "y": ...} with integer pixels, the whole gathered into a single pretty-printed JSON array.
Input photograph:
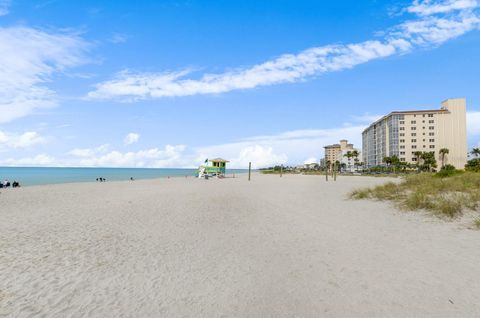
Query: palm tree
[
  {"x": 355, "y": 155},
  {"x": 429, "y": 161},
  {"x": 418, "y": 155},
  {"x": 388, "y": 161},
  {"x": 476, "y": 152},
  {"x": 349, "y": 156},
  {"x": 443, "y": 152}
]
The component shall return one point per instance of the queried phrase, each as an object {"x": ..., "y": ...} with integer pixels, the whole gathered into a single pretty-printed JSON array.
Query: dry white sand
[{"x": 272, "y": 247}]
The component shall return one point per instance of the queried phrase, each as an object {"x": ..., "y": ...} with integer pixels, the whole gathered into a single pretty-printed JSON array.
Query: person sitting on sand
[{"x": 15, "y": 184}]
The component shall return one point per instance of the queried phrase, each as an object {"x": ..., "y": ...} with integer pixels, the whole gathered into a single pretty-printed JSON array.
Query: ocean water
[{"x": 28, "y": 176}]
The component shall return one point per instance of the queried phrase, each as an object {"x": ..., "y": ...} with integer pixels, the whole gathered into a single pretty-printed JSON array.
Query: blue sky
[{"x": 170, "y": 83}]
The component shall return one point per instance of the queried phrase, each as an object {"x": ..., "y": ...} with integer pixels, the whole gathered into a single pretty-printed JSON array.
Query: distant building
[
  {"x": 402, "y": 133},
  {"x": 338, "y": 152}
]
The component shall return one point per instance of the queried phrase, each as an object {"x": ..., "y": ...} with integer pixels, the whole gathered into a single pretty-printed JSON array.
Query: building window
[
  {"x": 413, "y": 122},
  {"x": 402, "y": 122},
  {"x": 402, "y": 134},
  {"x": 431, "y": 128},
  {"x": 414, "y": 147},
  {"x": 402, "y": 140},
  {"x": 431, "y": 134},
  {"x": 402, "y": 147},
  {"x": 414, "y": 159},
  {"x": 414, "y": 128},
  {"x": 414, "y": 134},
  {"x": 414, "y": 140},
  {"x": 430, "y": 115},
  {"x": 402, "y": 152},
  {"x": 423, "y": 115},
  {"x": 423, "y": 121},
  {"x": 402, "y": 128},
  {"x": 430, "y": 121},
  {"x": 431, "y": 140},
  {"x": 432, "y": 146},
  {"x": 402, "y": 159}
]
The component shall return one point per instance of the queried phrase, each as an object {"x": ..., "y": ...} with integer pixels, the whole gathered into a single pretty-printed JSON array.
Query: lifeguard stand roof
[{"x": 219, "y": 160}]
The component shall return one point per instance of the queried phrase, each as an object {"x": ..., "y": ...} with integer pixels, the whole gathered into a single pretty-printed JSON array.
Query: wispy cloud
[
  {"x": 131, "y": 138},
  {"x": 366, "y": 118},
  {"x": 35, "y": 161},
  {"x": 437, "y": 22},
  {"x": 118, "y": 38},
  {"x": 4, "y": 7},
  {"x": 429, "y": 7},
  {"x": 29, "y": 59}
]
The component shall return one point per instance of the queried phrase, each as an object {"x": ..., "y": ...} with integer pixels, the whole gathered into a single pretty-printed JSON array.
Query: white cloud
[
  {"x": 89, "y": 152},
  {"x": 311, "y": 160},
  {"x": 259, "y": 156},
  {"x": 428, "y": 7},
  {"x": 29, "y": 59},
  {"x": 25, "y": 140},
  {"x": 367, "y": 118},
  {"x": 38, "y": 160},
  {"x": 290, "y": 147},
  {"x": 424, "y": 32},
  {"x": 473, "y": 124},
  {"x": 170, "y": 156},
  {"x": 131, "y": 138}
]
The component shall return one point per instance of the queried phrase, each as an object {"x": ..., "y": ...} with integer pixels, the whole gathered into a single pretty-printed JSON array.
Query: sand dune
[{"x": 273, "y": 247}]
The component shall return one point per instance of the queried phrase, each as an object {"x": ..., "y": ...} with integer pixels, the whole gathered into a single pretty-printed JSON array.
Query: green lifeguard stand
[{"x": 213, "y": 167}]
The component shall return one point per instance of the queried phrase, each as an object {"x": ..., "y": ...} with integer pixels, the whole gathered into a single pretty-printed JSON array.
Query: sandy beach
[{"x": 273, "y": 247}]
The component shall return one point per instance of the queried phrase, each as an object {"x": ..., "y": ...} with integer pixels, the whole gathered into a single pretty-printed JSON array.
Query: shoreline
[{"x": 28, "y": 177}]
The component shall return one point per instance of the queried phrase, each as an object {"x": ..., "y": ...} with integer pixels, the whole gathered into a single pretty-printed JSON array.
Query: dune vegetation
[{"x": 449, "y": 195}]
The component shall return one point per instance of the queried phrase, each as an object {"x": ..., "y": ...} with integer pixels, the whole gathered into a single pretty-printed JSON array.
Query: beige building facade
[
  {"x": 337, "y": 152},
  {"x": 402, "y": 133}
]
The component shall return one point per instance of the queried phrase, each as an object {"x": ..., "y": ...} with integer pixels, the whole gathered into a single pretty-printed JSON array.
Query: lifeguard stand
[{"x": 213, "y": 167}]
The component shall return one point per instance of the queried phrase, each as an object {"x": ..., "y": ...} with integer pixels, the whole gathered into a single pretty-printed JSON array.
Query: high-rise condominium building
[{"x": 402, "y": 133}]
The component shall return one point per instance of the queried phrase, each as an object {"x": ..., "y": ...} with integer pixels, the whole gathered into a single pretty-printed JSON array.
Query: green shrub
[
  {"x": 447, "y": 171},
  {"x": 473, "y": 165}
]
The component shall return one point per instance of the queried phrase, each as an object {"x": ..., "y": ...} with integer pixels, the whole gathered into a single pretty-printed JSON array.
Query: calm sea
[{"x": 35, "y": 176}]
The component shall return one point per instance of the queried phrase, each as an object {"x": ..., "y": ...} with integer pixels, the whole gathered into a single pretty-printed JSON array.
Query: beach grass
[
  {"x": 444, "y": 196},
  {"x": 477, "y": 223}
]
